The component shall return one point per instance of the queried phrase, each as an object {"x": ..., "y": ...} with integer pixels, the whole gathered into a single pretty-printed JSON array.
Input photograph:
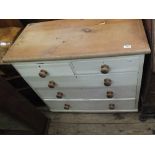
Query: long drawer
[
  {"x": 118, "y": 79},
  {"x": 92, "y": 106},
  {"x": 87, "y": 93}
]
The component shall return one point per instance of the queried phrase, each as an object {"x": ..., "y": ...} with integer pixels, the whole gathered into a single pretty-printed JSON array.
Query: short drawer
[
  {"x": 44, "y": 70},
  {"x": 92, "y": 106},
  {"x": 114, "y": 64},
  {"x": 87, "y": 93},
  {"x": 81, "y": 81}
]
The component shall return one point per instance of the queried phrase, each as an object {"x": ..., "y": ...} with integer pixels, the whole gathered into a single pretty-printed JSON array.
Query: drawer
[
  {"x": 87, "y": 93},
  {"x": 116, "y": 64},
  {"x": 92, "y": 106},
  {"x": 42, "y": 70},
  {"x": 81, "y": 81}
]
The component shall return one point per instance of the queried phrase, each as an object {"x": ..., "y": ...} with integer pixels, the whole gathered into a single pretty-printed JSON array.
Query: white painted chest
[
  {"x": 83, "y": 65},
  {"x": 87, "y": 85}
]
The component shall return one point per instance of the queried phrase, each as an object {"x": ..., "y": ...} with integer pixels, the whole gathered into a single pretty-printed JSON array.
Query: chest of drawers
[
  {"x": 96, "y": 85},
  {"x": 91, "y": 76}
]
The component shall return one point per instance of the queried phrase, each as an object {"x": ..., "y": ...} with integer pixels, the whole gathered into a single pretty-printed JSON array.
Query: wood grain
[
  {"x": 96, "y": 118},
  {"x": 72, "y": 39},
  {"x": 7, "y": 35},
  {"x": 99, "y": 124},
  {"x": 101, "y": 129}
]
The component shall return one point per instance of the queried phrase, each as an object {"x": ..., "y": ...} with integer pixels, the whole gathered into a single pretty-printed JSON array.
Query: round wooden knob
[
  {"x": 111, "y": 106},
  {"x": 43, "y": 73},
  {"x": 59, "y": 95},
  {"x": 66, "y": 106},
  {"x": 107, "y": 82},
  {"x": 105, "y": 69},
  {"x": 110, "y": 94},
  {"x": 51, "y": 84}
]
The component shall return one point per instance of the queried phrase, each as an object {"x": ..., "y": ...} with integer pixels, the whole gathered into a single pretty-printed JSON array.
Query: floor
[
  {"x": 88, "y": 124},
  {"x": 99, "y": 124}
]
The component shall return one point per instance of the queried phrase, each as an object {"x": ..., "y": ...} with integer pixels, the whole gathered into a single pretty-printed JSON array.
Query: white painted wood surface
[
  {"x": 93, "y": 80},
  {"x": 85, "y": 66},
  {"x": 54, "y": 69},
  {"x": 82, "y": 83},
  {"x": 139, "y": 78},
  {"x": 87, "y": 93},
  {"x": 116, "y": 64},
  {"x": 92, "y": 106}
]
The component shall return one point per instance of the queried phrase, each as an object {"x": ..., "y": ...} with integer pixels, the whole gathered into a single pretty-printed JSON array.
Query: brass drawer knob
[
  {"x": 51, "y": 84},
  {"x": 43, "y": 73},
  {"x": 111, "y": 106},
  {"x": 105, "y": 69},
  {"x": 107, "y": 82},
  {"x": 110, "y": 94},
  {"x": 66, "y": 106},
  {"x": 59, "y": 95},
  {"x": 4, "y": 44}
]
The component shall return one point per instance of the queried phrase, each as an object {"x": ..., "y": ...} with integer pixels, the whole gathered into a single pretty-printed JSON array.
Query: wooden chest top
[{"x": 72, "y": 39}]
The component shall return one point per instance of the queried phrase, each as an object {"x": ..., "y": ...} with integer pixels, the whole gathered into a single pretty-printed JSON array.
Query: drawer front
[
  {"x": 116, "y": 64},
  {"x": 53, "y": 69},
  {"x": 84, "y": 66},
  {"x": 81, "y": 81},
  {"x": 92, "y": 106},
  {"x": 87, "y": 93}
]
